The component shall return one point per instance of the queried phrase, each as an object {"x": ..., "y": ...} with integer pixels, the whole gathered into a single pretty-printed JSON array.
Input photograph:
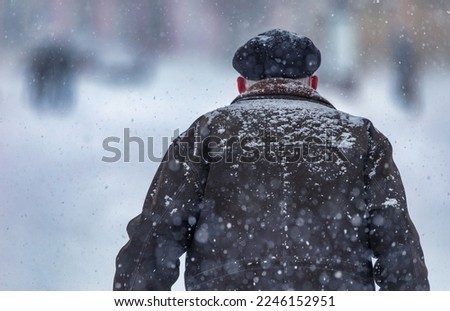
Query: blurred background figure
[
  {"x": 407, "y": 45},
  {"x": 51, "y": 76},
  {"x": 405, "y": 61}
]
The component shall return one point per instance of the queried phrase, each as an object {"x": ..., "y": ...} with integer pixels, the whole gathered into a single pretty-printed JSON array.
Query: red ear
[
  {"x": 314, "y": 82},
  {"x": 241, "y": 84}
]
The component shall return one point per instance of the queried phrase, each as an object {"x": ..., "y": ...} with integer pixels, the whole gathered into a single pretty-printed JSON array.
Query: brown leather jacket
[{"x": 277, "y": 191}]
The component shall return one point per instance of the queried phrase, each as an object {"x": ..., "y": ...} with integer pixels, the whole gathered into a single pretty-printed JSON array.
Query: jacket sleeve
[
  {"x": 162, "y": 232},
  {"x": 399, "y": 259}
]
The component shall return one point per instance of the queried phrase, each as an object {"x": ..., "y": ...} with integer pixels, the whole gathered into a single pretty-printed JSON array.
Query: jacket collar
[{"x": 282, "y": 88}]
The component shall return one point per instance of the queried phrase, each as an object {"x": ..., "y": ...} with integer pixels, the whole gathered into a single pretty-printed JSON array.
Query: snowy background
[{"x": 63, "y": 211}]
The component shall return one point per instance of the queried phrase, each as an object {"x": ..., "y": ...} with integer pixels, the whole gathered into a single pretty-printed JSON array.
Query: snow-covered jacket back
[{"x": 277, "y": 191}]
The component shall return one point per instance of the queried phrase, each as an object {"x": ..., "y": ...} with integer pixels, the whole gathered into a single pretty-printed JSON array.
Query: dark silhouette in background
[
  {"x": 51, "y": 76},
  {"x": 406, "y": 66}
]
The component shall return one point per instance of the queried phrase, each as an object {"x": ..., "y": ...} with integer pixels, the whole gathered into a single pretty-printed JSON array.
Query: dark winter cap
[{"x": 277, "y": 54}]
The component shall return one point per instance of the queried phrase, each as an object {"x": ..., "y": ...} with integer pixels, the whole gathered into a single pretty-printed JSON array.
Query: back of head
[{"x": 277, "y": 54}]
